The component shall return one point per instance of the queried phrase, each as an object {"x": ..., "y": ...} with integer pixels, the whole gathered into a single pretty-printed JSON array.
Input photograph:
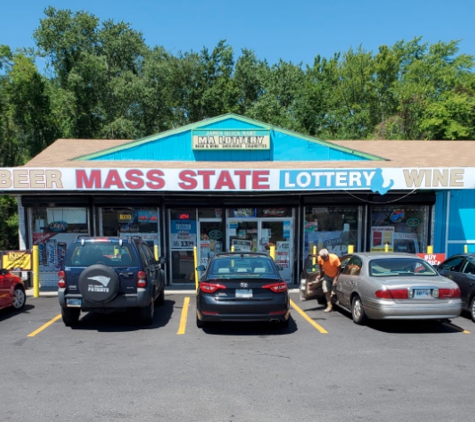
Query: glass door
[
  {"x": 183, "y": 238},
  {"x": 278, "y": 233}
]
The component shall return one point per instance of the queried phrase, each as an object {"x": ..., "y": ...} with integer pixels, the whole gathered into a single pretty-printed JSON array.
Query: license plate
[
  {"x": 422, "y": 293},
  {"x": 244, "y": 293},
  {"x": 73, "y": 302}
]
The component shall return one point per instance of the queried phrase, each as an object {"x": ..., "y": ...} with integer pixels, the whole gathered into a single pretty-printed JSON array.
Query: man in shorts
[{"x": 330, "y": 267}]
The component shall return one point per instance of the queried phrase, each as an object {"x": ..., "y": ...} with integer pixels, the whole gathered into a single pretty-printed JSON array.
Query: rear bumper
[
  {"x": 388, "y": 309},
  {"x": 277, "y": 309},
  {"x": 245, "y": 317},
  {"x": 136, "y": 300}
]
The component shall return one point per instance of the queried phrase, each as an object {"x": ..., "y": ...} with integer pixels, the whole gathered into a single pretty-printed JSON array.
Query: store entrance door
[{"x": 258, "y": 234}]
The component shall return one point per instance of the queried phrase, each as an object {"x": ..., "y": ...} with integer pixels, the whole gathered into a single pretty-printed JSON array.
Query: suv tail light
[
  {"x": 141, "y": 279},
  {"x": 210, "y": 287},
  {"x": 276, "y": 287},
  {"x": 62, "y": 279},
  {"x": 392, "y": 294},
  {"x": 449, "y": 293}
]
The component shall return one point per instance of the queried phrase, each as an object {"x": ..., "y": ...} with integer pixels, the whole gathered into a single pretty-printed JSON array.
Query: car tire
[
  {"x": 357, "y": 311},
  {"x": 472, "y": 309},
  {"x": 146, "y": 314},
  {"x": 199, "y": 323},
  {"x": 70, "y": 316},
  {"x": 19, "y": 299},
  {"x": 161, "y": 298}
]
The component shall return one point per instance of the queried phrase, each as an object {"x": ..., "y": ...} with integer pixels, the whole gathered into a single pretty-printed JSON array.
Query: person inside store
[{"x": 330, "y": 268}]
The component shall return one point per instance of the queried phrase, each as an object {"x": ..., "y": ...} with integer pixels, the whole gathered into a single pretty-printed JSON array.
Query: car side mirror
[{"x": 200, "y": 268}]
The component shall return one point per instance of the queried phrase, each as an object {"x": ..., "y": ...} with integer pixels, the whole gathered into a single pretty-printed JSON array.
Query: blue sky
[{"x": 295, "y": 31}]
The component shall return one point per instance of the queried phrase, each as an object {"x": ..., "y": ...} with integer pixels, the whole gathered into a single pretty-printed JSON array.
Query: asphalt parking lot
[{"x": 321, "y": 367}]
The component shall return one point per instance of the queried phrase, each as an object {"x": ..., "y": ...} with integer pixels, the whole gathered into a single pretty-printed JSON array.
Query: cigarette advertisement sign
[{"x": 20, "y": 260}]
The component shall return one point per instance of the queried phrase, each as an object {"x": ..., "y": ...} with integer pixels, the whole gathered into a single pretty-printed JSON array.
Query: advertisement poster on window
[
  {"x": 282, "y": 254},
  {"x": 382, "y": 236},
  {"x": 335, "y": 241},
  {"x": 150, "y": 238},
  {"x": 183, "y": 234},
  {"x": 52, "y": 250},
  {"x": 242, "y": 245}
]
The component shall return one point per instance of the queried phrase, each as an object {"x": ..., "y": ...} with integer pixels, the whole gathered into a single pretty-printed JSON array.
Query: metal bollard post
[
  {"x": 430, "y": 249},
  {"x": 36, "y": 271}
]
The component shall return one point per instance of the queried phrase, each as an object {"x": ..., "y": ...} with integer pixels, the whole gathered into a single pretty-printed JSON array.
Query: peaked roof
[{"x": 224, "y": 121}]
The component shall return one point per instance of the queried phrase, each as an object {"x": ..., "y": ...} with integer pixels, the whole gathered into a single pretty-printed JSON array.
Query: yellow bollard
[
  {"x": 386, "y": 247},
  {"x": 272, "y": 252},
  {"x": 465, "y": 248},
  {"x": 314, "y": 258},
  {"x": 195, "y": 260},
  {"x": 232, "y": 248},
  {"x": 351, "y": 248},
  {"x": 430, "y": 249},
  {"x": 36, "y": 272},
  {"x": 155, "y": 252}
]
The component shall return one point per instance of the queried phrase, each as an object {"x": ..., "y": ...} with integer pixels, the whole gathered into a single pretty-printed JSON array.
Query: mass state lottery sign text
[{"x": 197, "y": 180}]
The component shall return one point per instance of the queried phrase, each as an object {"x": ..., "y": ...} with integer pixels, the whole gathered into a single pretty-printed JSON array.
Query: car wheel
[
  {"x": 70, "y": 316},
  {"x": 199, "y": 323},
  {"x": 146, "y": 314},
  {"x": 19, "y": 298},
  {"x": 472, "y": 309},
  {"x": 161, "y": 298},
  {"x": 357, "y": 311}
]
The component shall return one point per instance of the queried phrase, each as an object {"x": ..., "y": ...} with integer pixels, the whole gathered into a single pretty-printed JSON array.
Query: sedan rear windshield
[
  {"x": 107, "y": 253},
  {"x": 394, "y": 267},
  {"x": 252, "y": 267}
]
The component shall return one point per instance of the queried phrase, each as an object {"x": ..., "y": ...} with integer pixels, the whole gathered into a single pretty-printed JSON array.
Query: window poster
[{"x": 183, "y": 234}]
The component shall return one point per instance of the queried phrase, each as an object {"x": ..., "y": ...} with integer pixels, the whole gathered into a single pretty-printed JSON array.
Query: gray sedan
[{"x": 374, "y": 285}]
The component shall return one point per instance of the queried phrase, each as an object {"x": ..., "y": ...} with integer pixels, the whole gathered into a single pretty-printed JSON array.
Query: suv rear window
[{"x": 107, "y": 253}]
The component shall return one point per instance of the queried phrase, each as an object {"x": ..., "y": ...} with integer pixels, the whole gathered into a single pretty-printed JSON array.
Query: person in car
[{"x": 330, "y": 267}]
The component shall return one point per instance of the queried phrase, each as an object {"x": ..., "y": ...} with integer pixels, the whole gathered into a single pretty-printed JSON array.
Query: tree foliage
[{"x": 101, "y": 80}]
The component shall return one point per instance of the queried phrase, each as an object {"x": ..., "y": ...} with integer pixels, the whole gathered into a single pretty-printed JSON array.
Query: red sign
[{"x": 432, "y": 258}]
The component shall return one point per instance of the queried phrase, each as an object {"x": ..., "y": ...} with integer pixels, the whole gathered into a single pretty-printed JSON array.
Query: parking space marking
[
  {"x": 34, "y": 333},
  {"x": 451, "y": 325},
  {"x": 184, "y": 314},
  {"x": 307, "y": 318}
]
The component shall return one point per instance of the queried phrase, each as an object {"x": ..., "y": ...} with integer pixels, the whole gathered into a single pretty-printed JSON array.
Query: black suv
[{"x": 107, "y": 274}]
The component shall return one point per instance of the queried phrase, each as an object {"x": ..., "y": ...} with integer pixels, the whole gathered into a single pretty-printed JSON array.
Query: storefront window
[
  {"x": 126, "y": 222},
  {"x": 400, "y": 228},
  {"x": 332, "y": 228},
  {"x": 53, "y": 230}
]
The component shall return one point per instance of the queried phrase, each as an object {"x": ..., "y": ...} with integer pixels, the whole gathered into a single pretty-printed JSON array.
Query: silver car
[{"x": 375, "y": 285}]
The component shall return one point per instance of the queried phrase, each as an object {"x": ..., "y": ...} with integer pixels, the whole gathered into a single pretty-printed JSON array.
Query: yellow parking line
[
  {"x": 34, "y": 333},
  {"x": 184, "y": 314},
  {"x": 307, "y": 318}
]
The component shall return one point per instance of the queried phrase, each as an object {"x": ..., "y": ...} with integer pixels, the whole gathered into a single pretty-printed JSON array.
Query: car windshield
[
  {"x": 393, "y": 267},
  {"x": 238, "y": 266},
  {"x": 107, "y": 253}
]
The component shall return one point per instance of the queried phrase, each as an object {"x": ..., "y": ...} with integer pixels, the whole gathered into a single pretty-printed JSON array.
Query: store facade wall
[{"x": 233, "y": 183}]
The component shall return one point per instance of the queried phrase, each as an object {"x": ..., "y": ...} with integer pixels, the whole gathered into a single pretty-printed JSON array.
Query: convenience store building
[{"x": 234, "y": 182}]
